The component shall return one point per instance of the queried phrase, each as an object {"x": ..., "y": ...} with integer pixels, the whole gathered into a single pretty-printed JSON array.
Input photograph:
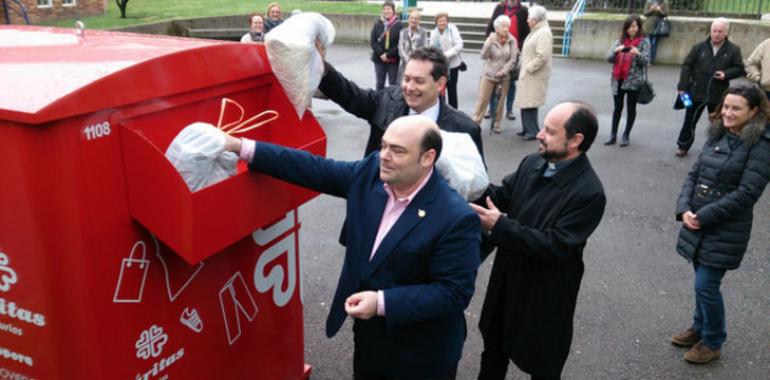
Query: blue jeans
[
  {"x": 653, "y": 47},
  {"x": 508, "y": 98},
  {"x": 709, "y": 317}
]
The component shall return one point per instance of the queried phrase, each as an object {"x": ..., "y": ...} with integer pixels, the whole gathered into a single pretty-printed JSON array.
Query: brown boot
[
  {"x": 701, "y": 354},
  {"x": 686, "y": 338}
]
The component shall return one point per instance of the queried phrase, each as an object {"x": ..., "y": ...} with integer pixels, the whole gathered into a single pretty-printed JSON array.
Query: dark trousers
[
  {"x": 691, "y": 117},
  {"x": 494, "y": 362},
  {"x": 451, "y": 87},
  {"x": 359, "y": 374},
  {"x": 385, "y": 69},
  {"x": 529, "y": 122},
  {"x": 632, "y": 98}
]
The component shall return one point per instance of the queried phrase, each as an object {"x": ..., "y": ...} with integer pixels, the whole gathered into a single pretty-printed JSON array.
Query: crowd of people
[{"x": 413, "y": 246}]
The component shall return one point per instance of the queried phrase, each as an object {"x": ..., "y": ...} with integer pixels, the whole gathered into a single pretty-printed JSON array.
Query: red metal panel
[{"x": 109, "y": 266}]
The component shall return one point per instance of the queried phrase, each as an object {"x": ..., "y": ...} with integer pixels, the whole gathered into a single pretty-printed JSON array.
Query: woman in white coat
[
  {"x": 447, "y": 37},
  {"x": 535, "y": 71}
]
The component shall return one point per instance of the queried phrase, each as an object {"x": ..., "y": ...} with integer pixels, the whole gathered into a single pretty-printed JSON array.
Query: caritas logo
[
  {"x": 14, "y": 311},
  {"x": 7, "y": 274}
]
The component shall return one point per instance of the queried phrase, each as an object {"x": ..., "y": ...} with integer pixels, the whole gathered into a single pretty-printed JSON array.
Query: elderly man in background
[
  {"x": 535, "y": 71},
  {"x": 706, "y": 74},
  {"x": 758, "y": 66}
]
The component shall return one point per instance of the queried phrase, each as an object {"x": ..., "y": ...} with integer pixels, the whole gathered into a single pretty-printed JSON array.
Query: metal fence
[{"x": 731, "y": 8}]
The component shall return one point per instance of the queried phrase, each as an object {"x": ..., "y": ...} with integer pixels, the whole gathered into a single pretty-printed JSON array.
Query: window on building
[
  {"x": 44, "y": 3},
  {"x": 68, "y": 3}
]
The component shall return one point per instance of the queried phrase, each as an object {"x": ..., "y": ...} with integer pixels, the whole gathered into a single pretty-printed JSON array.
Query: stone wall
[{"x": 593, "y": 37}]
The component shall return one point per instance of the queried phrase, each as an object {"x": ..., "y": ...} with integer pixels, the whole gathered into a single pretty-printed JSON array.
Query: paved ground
[{"x": 636, "y": 291}]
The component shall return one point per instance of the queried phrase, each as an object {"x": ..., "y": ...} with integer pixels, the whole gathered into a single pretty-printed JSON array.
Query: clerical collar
[
  {"x": 555, "y": 167},
  {"x": 431, "y": 112}
]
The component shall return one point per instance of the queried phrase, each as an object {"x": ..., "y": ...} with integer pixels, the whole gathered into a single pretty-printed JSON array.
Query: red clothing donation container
[{"x": 110, "y": 268}]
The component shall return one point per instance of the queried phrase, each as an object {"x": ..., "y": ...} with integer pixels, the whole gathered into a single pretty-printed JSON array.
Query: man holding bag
[{"x": 412, "y": 249}]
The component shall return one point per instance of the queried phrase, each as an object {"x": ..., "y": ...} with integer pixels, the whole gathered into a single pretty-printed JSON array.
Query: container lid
[{"x": 51, "y": 73}]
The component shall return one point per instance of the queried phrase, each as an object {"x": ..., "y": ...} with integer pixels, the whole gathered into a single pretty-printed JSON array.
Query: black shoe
[
  {"x": 610, "y": 141},
  {"x": 488, "y": 115},
  {"x": 528, "y": 138},
  {"x": 624, "y": 140},
  {"x": 520, "y": 133}
]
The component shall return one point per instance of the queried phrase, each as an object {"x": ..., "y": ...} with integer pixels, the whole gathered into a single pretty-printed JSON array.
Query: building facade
[{"x": 48, "y": 10}]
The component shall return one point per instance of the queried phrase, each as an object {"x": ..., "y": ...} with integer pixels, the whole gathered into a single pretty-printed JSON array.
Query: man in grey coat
[{"x": 539, "y": 220}]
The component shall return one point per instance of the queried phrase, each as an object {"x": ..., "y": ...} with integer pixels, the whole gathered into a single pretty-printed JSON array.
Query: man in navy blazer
[{"x": 412, "y": 249}]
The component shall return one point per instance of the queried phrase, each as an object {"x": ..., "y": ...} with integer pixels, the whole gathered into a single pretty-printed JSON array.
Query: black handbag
[
  {"x": 646, "y": 92},
  {"x": 463, "y": 66},
  {"x": 663, "y": 27}
]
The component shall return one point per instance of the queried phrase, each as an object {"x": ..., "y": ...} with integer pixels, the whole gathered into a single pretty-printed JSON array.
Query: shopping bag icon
[{"x": 133, "y": 274}]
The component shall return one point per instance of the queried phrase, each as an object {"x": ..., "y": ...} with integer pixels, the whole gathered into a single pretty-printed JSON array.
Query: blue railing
[{"x": 577, "y": 10}]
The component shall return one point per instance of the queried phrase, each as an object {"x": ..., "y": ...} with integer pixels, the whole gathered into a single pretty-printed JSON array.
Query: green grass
[
  {"x": 736, "y": 6},
  {"x": 149, "y": 11}
]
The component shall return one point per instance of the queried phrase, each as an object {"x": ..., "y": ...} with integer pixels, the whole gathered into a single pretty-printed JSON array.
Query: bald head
[
  {"x": 410, "y": 147},
  {"x": 422, "y": 128},
  {"x": 569, "y": 129}
]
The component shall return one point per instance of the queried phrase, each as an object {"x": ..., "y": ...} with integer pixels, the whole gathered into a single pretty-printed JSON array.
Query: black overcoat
[
  {"x": 700, "y": 65},
  {"x": 536, "y": 275},
  {"x": 381, "y": 107},
  {"x": 721, "y": 189}
]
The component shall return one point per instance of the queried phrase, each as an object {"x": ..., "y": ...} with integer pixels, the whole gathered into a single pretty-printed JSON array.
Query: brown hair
[
  {"x": 251, "y": 17},
  {"x": 754, "y": 97},
  {"x": 627, "y": 24},
  {"x": 440, "y": 15}
]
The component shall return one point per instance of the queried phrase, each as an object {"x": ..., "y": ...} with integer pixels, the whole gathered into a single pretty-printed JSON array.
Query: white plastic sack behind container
[
  {"x": 294, "y": 58},
  {"x": 197, "y": 153},
  {"x": 461, "y": 165}
]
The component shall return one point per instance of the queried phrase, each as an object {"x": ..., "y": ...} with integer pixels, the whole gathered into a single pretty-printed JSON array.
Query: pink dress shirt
[{"x": 393, "y": 210}]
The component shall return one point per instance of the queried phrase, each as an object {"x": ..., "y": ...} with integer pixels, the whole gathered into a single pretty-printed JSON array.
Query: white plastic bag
[
  {"x": 461, "y": 165},
  {"x": 294, "y": 58},
  {"x": 197, "y": 153}
]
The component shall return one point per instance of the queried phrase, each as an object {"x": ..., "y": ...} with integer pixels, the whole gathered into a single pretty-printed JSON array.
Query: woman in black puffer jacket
[{"x": 716, "y": 207}]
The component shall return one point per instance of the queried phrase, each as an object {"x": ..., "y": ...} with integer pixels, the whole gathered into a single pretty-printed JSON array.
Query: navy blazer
[{"x": 426, "y": 264}]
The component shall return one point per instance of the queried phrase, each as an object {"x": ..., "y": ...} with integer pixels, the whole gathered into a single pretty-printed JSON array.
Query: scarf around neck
[{"x": 624, "y": 59}]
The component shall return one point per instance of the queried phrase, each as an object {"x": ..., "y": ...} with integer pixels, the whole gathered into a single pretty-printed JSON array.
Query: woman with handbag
[
  {"x": 384, "y": 42},
  {"x": 655, "y": 12},
  {"x": 447, "y": 37},
  {"x": 716, "y": 206},
  {"x": 629, "y": 56},
  {"x": 499, "y": 54}
]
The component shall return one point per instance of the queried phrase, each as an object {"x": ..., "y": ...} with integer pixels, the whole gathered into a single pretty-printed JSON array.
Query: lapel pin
[{"x": 421, "y": 213}]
